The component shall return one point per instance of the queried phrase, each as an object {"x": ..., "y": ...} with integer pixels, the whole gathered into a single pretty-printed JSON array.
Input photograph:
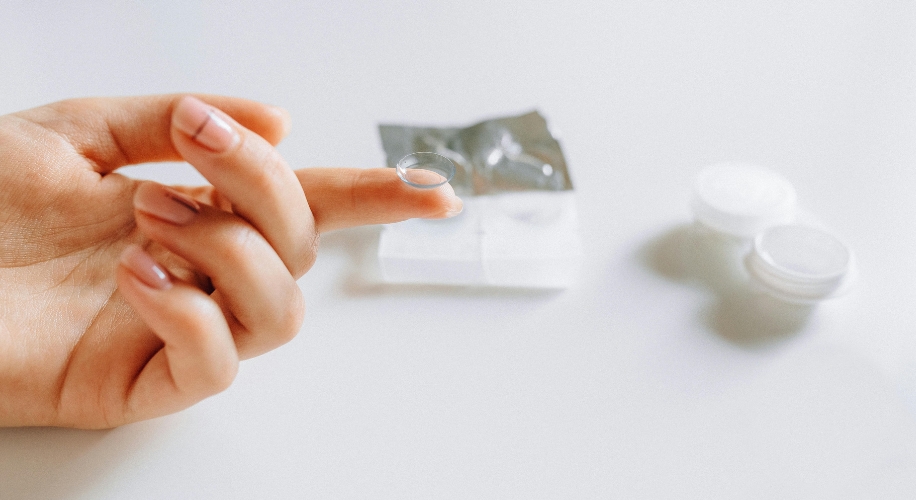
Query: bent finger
[
  {"x": 199, "y": 357},
  {"x": 260, "y": 298},
  {"x": 347, "y": 197},
  {"x": 248, "y": 172}
]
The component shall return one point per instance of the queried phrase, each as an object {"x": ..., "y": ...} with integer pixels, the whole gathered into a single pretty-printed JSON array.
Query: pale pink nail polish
[
  {"x": 145, "y": 268},
  {"x": 165, "y": 203},
  {"x": 204, "y": 124}
]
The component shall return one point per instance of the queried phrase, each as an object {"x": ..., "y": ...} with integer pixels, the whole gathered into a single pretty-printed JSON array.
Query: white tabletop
[{"x": 635, "y": 383}]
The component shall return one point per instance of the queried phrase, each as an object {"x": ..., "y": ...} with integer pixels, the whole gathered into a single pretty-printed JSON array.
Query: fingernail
[
  {"x": 285, "y": 118},
  {"x": 145, "y": 268},
  {"x": 204, "y": 124},
  {"x": 455, "y": 207},
  {"x": 165, "y": 203}
]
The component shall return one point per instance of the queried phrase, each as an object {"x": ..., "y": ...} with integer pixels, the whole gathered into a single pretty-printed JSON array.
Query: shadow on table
[
  {"x": 737, "y": 312},
  {"x": 364, "y": 278},
  {"x": 51, "y": 463}
]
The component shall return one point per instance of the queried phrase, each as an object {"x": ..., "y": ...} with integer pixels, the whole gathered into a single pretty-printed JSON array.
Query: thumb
[{"x": 113, "y": 132}]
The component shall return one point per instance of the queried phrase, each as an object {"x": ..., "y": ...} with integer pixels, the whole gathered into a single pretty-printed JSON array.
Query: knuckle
[
  {"x": 268, "y": 171},
  {"x": 196, "y": 315},
  {"x": 360, "y": 182},
  {"x": 309, "y": 254},
  {"x": 71, "y": 107},
  {"x": 217, "y": 371},
  {"x": 220, "y": 376},
  {"x": 291, "y": 316},
  {"x": 240, "y": 243}
]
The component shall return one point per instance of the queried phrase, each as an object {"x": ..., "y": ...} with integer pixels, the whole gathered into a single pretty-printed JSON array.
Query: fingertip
[
  {"x": 283, "y": 118},
  {"x": 455, "y": 207},
  {"x": 205, "y": 125},
  {"x": 440, "y": 202},
  {"x": 452, "y": 204},
  {"x": 189, "y": 113},
  {"x": 144, "y": 268}
]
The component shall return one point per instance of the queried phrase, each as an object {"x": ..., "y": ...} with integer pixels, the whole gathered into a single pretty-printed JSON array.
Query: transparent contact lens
[{"x": 425, "y": 170}]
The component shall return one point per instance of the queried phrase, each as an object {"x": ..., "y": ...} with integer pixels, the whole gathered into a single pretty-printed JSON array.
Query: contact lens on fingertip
[{"x": 425, "y": 170}]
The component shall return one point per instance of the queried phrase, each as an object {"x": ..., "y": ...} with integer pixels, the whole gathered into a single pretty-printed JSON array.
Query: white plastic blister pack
[{"x": 511, "y": 239}]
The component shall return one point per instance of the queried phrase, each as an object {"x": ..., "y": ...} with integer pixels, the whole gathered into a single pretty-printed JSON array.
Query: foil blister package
[
  {"x": 519, "y": 227},
  {"x": 501, "y": 155}
]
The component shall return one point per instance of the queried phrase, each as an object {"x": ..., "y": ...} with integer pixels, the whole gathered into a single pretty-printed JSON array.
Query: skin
[{"x": 84, "y": 340}]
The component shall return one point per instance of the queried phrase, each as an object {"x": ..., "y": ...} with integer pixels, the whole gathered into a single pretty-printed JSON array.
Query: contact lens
[{"x": 425, "y": 170}]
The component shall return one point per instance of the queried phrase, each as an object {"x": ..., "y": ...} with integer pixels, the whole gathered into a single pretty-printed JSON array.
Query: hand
[{"x": 122, "y": 300}]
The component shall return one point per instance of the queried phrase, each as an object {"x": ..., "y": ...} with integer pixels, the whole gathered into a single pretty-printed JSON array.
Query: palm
[{"x": 78, "y": 343}]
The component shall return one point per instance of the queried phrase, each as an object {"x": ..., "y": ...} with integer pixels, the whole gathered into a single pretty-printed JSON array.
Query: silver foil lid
[{"x": 516, "y": 153}]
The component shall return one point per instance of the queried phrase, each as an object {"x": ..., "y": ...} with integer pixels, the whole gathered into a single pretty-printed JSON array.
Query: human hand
[{"x": 122, "y": 300}]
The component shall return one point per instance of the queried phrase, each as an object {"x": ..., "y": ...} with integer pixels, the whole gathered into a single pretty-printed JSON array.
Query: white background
[{"x": 635, "y": 383}]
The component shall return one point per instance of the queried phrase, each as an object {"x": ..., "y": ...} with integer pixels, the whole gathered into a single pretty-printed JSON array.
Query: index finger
[{"x": 347, "y": 197}]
